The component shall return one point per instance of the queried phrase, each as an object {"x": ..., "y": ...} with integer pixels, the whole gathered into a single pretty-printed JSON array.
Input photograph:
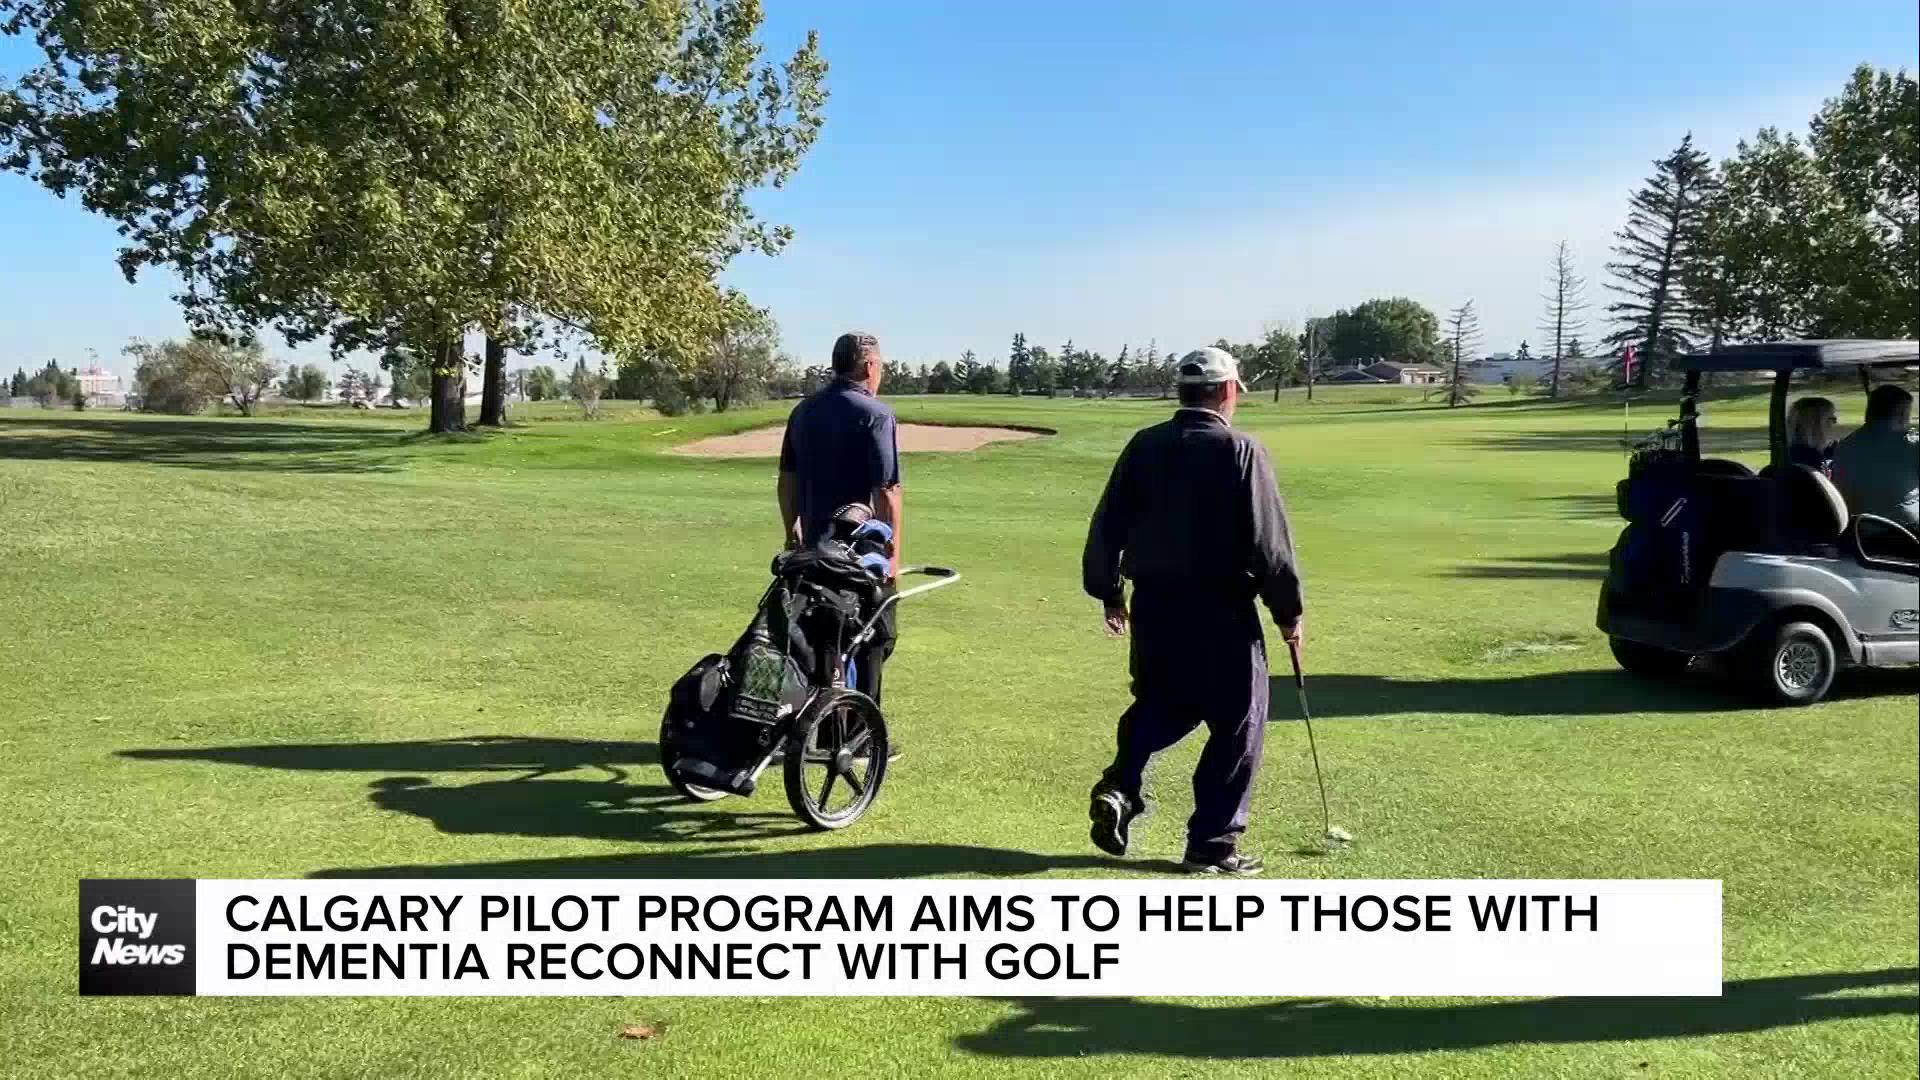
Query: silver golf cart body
[{"x": 1797, "y": 586}]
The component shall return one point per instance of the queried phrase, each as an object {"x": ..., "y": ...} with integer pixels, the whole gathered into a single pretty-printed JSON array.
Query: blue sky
[{"x": 1120, "y": 172}]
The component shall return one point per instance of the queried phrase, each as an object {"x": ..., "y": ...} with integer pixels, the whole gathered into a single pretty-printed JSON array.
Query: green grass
[{"x": 225, "y": 644}]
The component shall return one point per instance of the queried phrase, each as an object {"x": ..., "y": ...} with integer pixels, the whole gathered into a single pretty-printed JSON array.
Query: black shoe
[
  {"x": 1235, "y": 864},
  {"x": 1113, "y": 815}
]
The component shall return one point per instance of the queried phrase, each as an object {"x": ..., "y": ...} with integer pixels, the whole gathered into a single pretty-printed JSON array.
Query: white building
[{"x": 100, "y": 386}]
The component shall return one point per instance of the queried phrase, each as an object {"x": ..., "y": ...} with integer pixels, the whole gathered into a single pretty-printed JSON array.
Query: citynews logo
[{"x": 136, "y": 936}]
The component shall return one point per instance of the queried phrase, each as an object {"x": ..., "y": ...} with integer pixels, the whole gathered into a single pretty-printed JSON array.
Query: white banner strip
[{"x": 1172, "y": 937}]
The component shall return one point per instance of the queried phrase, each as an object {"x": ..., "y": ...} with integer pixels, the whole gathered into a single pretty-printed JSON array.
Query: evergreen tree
[
  {"x": 1463, "y": 340},
  {"x": 1019, "y": 366},
  {"x": 1121, "y": 372},
  {"x": 1655, "y": 254}
]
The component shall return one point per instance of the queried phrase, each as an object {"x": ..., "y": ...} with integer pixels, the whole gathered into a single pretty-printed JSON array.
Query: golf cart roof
[{"x": 1804, "y": 355}]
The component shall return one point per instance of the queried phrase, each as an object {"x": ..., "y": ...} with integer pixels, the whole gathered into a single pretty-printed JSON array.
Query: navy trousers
[{"x": 1196, "y": 662}]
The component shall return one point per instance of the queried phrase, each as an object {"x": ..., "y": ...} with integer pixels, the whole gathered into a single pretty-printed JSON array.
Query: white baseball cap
[{"x": 1210, "y": 365}]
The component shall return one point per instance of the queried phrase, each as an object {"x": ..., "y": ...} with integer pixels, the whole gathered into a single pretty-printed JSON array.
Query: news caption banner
[{"x": 1177, "y": 937}]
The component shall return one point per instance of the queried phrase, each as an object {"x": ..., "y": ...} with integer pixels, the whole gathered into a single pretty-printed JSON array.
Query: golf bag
[
  {"x": 1656, "y": 552},
  {"x": 730, "y": 713}
]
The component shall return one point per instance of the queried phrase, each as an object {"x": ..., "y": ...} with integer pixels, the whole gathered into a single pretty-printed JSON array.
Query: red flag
[{"x": 1626, "y": 364}]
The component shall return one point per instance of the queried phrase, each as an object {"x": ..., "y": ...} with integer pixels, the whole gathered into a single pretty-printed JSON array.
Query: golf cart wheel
[
  {"x": 837, "y": 759},
  {"x": 1649, "y": 661},
  {"x": 1794, "y": 665}
]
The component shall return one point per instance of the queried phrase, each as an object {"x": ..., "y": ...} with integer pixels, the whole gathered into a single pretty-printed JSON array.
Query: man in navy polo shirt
[{"x": 840, "y": 448}]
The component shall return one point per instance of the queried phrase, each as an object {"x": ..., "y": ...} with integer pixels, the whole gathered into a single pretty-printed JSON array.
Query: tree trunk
[
  {"x": 449, "y": 412},
  {"x": 493, "y": 387}
]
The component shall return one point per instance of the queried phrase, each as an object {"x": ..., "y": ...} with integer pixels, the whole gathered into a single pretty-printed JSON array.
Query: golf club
[{"x": 1332, "y": 836}]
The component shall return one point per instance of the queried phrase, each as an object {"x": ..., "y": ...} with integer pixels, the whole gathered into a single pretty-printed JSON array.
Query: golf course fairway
[{"x": 318, "y": 644}]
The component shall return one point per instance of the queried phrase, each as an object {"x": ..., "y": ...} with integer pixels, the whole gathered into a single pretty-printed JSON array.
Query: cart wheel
[
  {"x": 837, "y": 759},
  {"x": 1794, "y": 665},
  {"x": 669, "y": 745}
]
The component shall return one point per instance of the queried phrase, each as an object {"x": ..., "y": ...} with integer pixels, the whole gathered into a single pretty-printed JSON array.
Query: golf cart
[{"x": 1768, "y": 575}]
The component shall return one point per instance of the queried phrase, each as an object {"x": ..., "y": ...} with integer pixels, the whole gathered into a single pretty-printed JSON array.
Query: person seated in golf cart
[
  {"x": 1877, "y": 468},
  {"x": 1770, "y": 576},
  {"x": 1810, "y": 425}
]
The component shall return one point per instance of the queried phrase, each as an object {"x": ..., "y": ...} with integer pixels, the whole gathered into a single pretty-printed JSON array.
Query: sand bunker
[{"x": 765, "y": 442}]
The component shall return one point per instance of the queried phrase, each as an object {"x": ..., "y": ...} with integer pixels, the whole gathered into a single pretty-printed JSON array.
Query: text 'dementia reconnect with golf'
[{"x": 1093, "y": 938}]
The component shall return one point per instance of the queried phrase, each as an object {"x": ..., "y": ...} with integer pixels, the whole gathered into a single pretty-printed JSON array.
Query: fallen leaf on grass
[{"x": 642, "y": 1031}]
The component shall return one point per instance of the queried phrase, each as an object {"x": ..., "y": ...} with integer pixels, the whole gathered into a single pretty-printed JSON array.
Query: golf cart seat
[
  {"x": 1724, "y": 467},
  {"x": 1737, "y": 513},
  {"x": 1812, "y": 514}
]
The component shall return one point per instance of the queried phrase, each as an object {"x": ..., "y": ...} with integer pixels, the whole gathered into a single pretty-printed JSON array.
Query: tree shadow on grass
[
  {"x": 1714, "y": 441},
  {"x": 607, "y": 806},
  {"x": 1597, "y": 504},
  {"x": 835, "y": 859},
  {"x": 1544, "y": 694},
  {"x": 1077, "y": 1027},
  {"x": 1573, "y": 566},
  {"x": 258, "y": 445},
  {"x": 539, "y": 803},
  {"x": 468, "y": 753}
]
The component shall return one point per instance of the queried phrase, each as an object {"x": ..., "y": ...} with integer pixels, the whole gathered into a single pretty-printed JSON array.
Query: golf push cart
[
  {"x": 787, "y": 688},
  {"x": 1767, "y": 574}
]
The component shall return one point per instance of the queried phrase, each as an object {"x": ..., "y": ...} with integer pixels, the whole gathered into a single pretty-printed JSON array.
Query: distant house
[
  {"x": 1351, "y": 375},
  {"x": 1390, "y": 371},
  {"x": 1493, "y": 370}
]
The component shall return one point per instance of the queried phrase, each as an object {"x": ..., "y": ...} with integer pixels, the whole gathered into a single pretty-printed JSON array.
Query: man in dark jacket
[{"x": 1192, "y": 517}]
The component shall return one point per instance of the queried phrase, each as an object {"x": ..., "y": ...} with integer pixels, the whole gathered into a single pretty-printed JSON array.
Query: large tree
[
  {"x": 1463, "y": 342},
  {"x": 402, "y": 174},
  {"x": 1316, "y": 344},
  {"x": 1019, "y": 365},
  {"x": 1867, "y": 144},
  {"x": 304, "y": 382},
  {"x": 741, "y": 359},
  {"x": 1655, "y": 252},
  {"x": 52, "y": 383},
  {"x": 1773, "y": 246},
  {"x": 1393, "y": 328},
  {"x": 1818, "y": 239},
  {"x": 1277, "y": 357},
  {"x": 238, "y": 371},
  {"x": 1566, "y": 299}
]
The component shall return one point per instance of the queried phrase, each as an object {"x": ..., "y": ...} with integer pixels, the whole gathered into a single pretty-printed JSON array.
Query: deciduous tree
[
  {"x": 1565, "y": 299},
  {"x": 542, "y": 384},
  {"x": 238, "y": 371},
  {"x": 382, "y": 174},
  {"x": 1393, "y": 328},
  {"x": 741, "y": 359}
]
